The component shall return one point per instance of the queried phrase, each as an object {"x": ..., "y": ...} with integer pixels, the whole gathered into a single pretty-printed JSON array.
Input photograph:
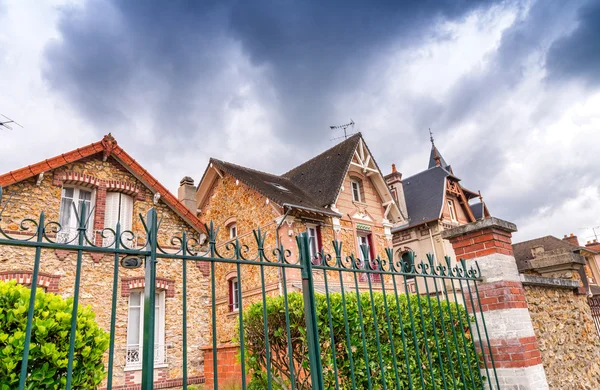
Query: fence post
[
  {"x": 149, "y": 302},
  {"x": 310, "y": 313},
  {"x": 502, "y": 301}
]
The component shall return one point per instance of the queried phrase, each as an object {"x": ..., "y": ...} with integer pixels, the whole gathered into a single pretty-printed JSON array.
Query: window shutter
[
  {"x": 126, "y": 212},
  {"x": 230, "y": 282}
]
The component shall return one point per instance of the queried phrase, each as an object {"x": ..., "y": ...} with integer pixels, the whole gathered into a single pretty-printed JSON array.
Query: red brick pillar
[{"x": 512, "y": 338}]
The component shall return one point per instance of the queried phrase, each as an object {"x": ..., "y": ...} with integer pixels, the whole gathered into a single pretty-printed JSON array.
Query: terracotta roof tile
[{"x": 128, "y": 162}]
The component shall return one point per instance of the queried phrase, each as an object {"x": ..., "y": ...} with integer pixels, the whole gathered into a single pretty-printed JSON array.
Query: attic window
[{"x": 278, "y": 186}]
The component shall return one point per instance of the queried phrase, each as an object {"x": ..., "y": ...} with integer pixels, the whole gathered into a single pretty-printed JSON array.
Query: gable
[{"x": 104, "y": 149}]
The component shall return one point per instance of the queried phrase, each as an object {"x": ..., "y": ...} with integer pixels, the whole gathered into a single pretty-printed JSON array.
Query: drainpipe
[
  {"x": 277, "y": 241},
  {"x": 435, "y": 256}
]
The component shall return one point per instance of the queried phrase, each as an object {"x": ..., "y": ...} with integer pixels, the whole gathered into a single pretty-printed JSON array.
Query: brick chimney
[
  {"x": 394, "y": 183},
  {"x": 187, "y": 193},
  {"x": 593, "y": 245},
  {"x": 571, "y": 239}
]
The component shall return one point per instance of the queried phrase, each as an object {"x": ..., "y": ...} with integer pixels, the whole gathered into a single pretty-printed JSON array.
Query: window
[
  {"x": 135, "y": 329},
  {"x": 232, "y": 231},
  {"x": 68, "y": 217},
  {"x": 119, "y": 208},
  {"x": 315, "y": 245},
  {"x": 366, "y": 261},
  {"x": 356, "y": 190},
  {"x": 234, "y": 295},
  {"x": 452, "y": 210}
]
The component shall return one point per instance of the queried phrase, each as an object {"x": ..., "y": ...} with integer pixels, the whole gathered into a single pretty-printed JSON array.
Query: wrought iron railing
[
  {"x": 134, "y": 353},
  {"x": 365, "y": 335}
]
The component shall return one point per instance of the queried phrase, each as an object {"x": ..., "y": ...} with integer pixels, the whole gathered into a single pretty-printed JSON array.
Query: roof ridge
[
  {"x": 352, "y": 137},
  {"x": 539, "y": 238},
  {"x": 250, "y": 169},
  {"x": 425, "y": 171}
]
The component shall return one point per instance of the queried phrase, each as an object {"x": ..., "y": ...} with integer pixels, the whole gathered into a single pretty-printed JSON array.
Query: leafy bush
[
  {"x": 277, "y": 333},
  {"x": 48, "y": 356}
]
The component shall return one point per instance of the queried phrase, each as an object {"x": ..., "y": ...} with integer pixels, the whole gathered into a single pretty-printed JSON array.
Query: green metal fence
[{"x": 384, "y": 323}]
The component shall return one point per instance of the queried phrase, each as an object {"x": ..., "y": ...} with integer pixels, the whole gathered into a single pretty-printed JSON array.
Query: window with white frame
[
  {"x": 135, "y": 326},
  {"x": 314, "y": 242},
  {"x": 73, "y": 198},
  {"x": 234, "y": 295},
  {"x": 452, "y": 210},
  {"x": 233, "y": 230},
  {"x": 356, "y": 190},
  {"x": 119, "y": 208}
]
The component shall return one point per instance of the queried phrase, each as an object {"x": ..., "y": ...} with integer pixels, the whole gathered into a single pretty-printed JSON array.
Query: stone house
[
  {"x": 433, "y": 200},
  {"x": 340, "y": 195},
  {"x": 114, "y": 188}
]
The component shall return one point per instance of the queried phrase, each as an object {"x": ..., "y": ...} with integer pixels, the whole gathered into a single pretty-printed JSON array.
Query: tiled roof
[
  {"x": 322, "y": 176},
  {"x": 424, "y": 195},
  {"x": 108, "y": 145},
  {"x": 477, "y": 209},
  {"x": 281, "y": 190},
  {"x": 522, "y": 250}
]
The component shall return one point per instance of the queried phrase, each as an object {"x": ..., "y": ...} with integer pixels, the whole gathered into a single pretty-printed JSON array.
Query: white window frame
[
  {"x": 452, "y": 210},
  {"x": 233, "y": 232},
  {"x": 159, "y": 331},
  {"x": 234, "y": 292},
  {"x": 70, "y": 232},
  {"x": 356, "y": 196},
  {"x": 313, "y": 245}
]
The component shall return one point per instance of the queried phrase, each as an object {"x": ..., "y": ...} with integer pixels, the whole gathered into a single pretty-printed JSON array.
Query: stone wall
[
  {"x": 28, "y": 199},
  {"x": 567, "y": 337}
]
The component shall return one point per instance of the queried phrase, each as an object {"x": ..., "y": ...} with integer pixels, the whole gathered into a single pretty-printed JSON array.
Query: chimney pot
[
  {"x": 571, "y": 234},
  {"x": 394, "y": 168}
]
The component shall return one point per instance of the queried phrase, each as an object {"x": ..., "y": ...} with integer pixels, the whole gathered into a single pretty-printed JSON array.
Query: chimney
[
  {"x": 593, "y": 246},
  {"x": 393, "y": 177},
  {"x": 187, "y": 193},
  {"x": 571, "y": 239}
]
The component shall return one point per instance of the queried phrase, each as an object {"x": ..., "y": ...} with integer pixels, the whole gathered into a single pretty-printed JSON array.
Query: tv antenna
[
  {"x": 345, "y": 127},
  {"x": 7, "y": 122}
]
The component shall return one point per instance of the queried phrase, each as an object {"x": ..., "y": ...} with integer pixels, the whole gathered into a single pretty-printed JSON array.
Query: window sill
[
  {"x": 233, "y": 313},
  {"x": 139, "y": 368}
]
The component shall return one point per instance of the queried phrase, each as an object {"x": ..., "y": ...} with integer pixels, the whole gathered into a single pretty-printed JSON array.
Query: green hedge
[
  {"x": 276, "y": 323},
  {"x": 48, "y": 356}
]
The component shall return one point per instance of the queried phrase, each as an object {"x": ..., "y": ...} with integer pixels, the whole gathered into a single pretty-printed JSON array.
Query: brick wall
[{"x": 229, "y": 369}]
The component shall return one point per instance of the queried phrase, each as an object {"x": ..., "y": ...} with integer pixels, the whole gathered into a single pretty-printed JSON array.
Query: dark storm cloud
[
  {"x": 577, "y": 56},
  {"x": 109, "y": 52}
]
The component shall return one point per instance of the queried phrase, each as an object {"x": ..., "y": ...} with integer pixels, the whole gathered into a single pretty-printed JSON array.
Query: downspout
[
  {"x": 278, "y": 244},
  {"x": 435, "y": 256}
]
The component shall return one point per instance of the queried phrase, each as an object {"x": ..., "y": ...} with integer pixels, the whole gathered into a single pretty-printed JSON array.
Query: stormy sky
[{"x": 510, "y": 89}]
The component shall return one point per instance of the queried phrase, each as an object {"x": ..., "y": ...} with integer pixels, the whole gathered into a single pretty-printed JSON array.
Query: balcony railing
[{"x": 134, "y": 354}]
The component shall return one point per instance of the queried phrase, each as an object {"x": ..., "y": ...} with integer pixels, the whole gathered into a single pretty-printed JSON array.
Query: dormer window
[{"x": 356, "y": 190}]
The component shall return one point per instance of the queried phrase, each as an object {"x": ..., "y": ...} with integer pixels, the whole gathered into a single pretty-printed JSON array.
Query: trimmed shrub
[
  {"x": 48, "y": 355},
  {"x": 449, "y": 369}
]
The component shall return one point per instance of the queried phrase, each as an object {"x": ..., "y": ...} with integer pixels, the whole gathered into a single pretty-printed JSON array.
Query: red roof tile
[{"x": 109, "y": 146}]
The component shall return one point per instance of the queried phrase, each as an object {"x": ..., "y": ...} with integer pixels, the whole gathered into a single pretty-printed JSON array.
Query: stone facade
[
  {"x": 567, "y": 337},
  {"x": 29, "y": 197}
]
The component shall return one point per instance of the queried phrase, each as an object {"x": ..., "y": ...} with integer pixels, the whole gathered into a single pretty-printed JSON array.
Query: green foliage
[
  {"x": 48, "y": 356},
  {"x": 432, "y": 314}
]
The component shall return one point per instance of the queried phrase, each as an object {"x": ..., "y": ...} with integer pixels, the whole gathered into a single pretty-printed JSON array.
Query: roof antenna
[
  {"x": 7, "y": 122},
  {"x": 345, "y": 127}
]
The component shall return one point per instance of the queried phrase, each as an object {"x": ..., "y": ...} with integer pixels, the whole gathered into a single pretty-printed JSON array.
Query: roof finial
[{"x": 431, "y": 137}]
